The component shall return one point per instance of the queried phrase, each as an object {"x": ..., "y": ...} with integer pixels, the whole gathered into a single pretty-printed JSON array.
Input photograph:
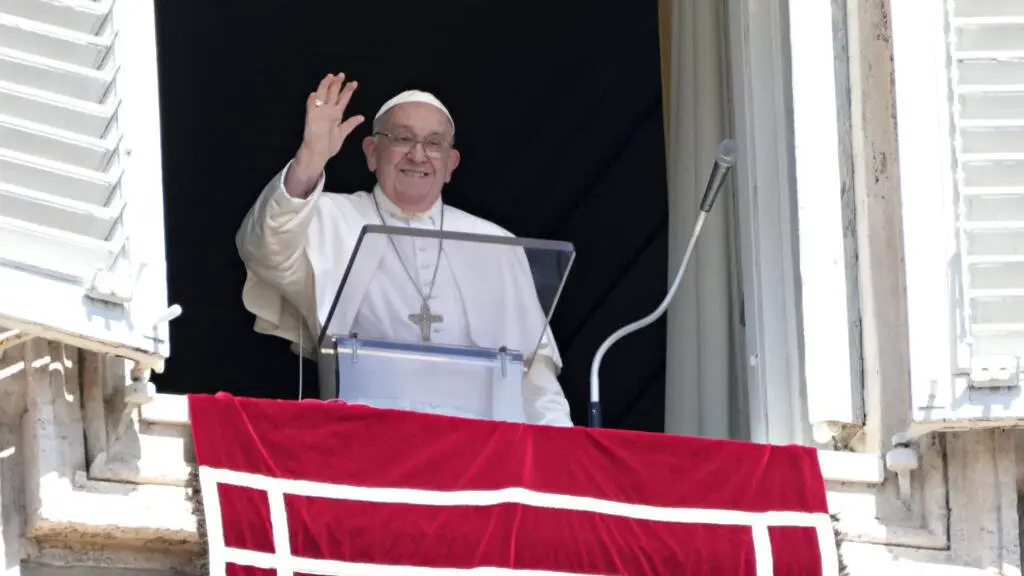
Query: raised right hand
[
  {"x": 324, "y": 133},
  {"x": 326, "y": 128}
]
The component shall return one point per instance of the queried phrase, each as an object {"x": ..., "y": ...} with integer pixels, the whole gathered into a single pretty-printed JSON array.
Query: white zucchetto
[{"x": 415, "y": 96}]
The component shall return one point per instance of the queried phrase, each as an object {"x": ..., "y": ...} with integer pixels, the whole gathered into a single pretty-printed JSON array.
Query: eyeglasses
[{"x": 434, "y": 146}]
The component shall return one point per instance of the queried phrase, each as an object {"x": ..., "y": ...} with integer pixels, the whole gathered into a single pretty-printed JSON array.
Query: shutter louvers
[
  {"x": 59, "y": 199},
  {"x": 959, "y": 90},
  {"x": 81, "y": 215},
  {"x": 988, "y": 83}
]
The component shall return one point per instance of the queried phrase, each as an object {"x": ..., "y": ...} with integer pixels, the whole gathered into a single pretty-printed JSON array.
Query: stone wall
[
  {"x": 80, "y": 486},
  {"x": 963, "y": 519}
]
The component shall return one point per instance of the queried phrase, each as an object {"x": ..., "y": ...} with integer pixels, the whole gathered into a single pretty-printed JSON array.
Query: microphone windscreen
[{"x": 727, "y": 152}]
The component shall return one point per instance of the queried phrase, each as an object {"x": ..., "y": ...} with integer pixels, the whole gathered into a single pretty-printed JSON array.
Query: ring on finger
[{"x": 318, "y": 102}]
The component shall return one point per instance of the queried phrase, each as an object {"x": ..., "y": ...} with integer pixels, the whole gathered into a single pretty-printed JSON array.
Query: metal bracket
[
  {"x": 141, "y": 391},
  {"x": 136, "y": 394},
  {"x": 354, "y": 339},
  {"x": 902, "y": 459},
  {"x": 996, "y": 371},
  {"x": 503, "y": 358},
  {"x": 172, "y": 313}
]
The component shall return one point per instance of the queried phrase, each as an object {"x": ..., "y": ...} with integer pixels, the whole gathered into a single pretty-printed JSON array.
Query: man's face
[{"x": 412, "y": 155}]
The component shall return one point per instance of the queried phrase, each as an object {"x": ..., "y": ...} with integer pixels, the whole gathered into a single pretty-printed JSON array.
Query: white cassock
[{"x": 296, "y": 252}]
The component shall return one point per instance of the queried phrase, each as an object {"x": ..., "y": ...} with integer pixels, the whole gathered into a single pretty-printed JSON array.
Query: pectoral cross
[{"x": 425, "y": 320}]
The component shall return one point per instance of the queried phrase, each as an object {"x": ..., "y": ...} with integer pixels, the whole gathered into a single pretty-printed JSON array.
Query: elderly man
[{"x": 296, "y": 242}]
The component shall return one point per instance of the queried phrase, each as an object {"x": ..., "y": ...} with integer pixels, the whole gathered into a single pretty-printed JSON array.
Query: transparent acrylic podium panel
[
  {"x": 452, "y": 380},
  {"x": 462, "y": 349}
]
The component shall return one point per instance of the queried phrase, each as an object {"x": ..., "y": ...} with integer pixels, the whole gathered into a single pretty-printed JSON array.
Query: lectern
[{"x": 387, "y": 340}]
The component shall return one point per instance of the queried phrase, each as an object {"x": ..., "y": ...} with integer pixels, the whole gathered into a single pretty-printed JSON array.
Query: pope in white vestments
[{"x": 296, "y": 243}]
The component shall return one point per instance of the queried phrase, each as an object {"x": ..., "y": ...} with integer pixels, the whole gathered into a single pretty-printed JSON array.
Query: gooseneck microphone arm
[{"x": 724, "y": 161}]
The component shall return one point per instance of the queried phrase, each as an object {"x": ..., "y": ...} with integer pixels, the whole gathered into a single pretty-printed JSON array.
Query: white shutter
[
  {"x": 81, "y": 213},
  {"x": 960, "y": 114},
  {"x": 834, "y": 392}
]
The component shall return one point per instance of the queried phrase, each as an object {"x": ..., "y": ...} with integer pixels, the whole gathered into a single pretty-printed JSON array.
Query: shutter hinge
[{"x": 995, "y": 371}]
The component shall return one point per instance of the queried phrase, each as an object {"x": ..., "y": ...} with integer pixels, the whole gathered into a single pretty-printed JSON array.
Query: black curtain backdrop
[{"x": 559, "y": 121}]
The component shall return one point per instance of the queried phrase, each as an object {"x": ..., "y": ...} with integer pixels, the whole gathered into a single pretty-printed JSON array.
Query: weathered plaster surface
[
  {"x": 962, "y": 516},
  {"x": 982, "y": 525},
  {"x": 55, "y": 514},
  {"x": 878, "y": 212}
]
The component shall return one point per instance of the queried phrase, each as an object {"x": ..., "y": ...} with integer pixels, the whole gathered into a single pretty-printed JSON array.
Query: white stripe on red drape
[{"x": 287, "y": 564}]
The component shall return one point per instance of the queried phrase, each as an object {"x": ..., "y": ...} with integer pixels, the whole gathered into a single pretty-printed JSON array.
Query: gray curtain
[{"x": 704, "y": 390}]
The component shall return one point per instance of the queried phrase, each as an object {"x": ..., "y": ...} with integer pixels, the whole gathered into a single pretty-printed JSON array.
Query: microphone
[{"x": 724, "y": 161}]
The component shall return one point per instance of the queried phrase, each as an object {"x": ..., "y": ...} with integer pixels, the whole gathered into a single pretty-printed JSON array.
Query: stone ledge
[
  {"x": 160, "y": 454},
  {"x": 851, "y": 467},
  {"x": 37, "y": 569},
  {"x": 59, "y": 558},
  {"x": 90, "y": 511},
  {"x": 167, "y": 409}
]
